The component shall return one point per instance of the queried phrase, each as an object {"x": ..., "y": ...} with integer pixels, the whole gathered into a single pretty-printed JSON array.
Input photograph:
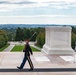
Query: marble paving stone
[
  {"x": 53, "y": 73},
  {"x": 31, "y": 73},
  {"x": 39, "y": 73},
  {"x": 41, "y": 58},
  {"x": 13, "y": 73},
  {"x": 68, "y": 58}
]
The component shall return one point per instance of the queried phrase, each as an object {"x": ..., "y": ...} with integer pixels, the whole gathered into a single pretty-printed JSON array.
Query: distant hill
[{"x": 14, "y": 26}]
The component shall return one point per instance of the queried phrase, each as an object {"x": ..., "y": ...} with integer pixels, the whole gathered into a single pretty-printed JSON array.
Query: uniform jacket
[{"x": 27, "y": 50}]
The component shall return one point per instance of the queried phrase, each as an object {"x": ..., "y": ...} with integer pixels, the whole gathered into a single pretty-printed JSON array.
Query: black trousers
[{"x": 24, "y": 61}]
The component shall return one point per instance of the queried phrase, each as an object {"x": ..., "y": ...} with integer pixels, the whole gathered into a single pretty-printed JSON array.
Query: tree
[
  {"x": 19, "y": 34},
  {"x": 73, "y": 43},
  {"x": 74, "y": 29},
  {"x": 73, "y": 40},
  {"x": 41, "y": 38},
  {"x": 3, "y": 38},
  {"x": 27, "y": 33}
]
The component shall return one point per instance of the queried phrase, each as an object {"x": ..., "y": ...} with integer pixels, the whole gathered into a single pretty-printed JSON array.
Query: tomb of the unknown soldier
[{"x": 58, "y": 40}]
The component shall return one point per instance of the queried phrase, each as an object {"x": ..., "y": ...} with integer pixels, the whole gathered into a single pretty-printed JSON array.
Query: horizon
[
  {"x": 60, "y": 12},
  {"x": 39, "y": 24}
]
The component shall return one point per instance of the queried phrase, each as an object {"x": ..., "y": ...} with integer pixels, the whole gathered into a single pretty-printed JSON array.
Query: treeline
[
  {"x": 20, "y": 34},
  {"x": 26, "y": 33},
  {"x": 3, "y": 38}
]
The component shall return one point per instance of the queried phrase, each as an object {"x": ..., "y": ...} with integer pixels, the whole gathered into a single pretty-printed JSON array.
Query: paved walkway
[
  {"x": 44, "y": 64},
  {"x": 36, "y": 47},
  {"x": 9, "y": 48},
  {"x": 20, "y": 43}
]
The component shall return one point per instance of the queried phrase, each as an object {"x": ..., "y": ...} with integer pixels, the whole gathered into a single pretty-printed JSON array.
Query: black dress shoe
[
  {"x": 19, "y": 68},
  {"x": 30, "y": 69}
]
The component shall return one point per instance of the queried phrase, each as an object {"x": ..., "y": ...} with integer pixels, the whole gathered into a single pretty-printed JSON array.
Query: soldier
[{"x": 27, "y": 51}]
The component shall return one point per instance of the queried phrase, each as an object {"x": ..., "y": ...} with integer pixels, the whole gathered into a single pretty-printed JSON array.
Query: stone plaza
[{"x": 43, "y": 64}]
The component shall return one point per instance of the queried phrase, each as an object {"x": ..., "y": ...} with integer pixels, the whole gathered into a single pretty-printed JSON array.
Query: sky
[{"x": 38, "y": 12}]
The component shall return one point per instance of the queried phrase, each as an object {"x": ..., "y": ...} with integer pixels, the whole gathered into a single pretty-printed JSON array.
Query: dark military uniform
[{"x": 27, "y": 51}]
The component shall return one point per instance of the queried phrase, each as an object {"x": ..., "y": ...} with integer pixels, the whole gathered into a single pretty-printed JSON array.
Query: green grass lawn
[
  {"x": 19, "y": 48},
  {"x": 1, "y": 49},
  {"x": 34, "y": 49}
]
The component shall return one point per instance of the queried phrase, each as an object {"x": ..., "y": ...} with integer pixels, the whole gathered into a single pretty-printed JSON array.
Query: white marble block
[{"x": 58, "y": 40}]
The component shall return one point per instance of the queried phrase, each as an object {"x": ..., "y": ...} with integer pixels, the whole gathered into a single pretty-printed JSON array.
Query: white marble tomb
[{"x": 58, "y": 40}]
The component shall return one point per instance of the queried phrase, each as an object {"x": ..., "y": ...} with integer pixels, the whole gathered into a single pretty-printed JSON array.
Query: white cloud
[
  {"x": 37, "y": 16},
  {"x": 18, "y": 4},
  {"x": 11, "y": 5},
  {"x": 59, "y": 4},
  {"x": 67, "y": 1},
  {"x": 39, "y": 19}
]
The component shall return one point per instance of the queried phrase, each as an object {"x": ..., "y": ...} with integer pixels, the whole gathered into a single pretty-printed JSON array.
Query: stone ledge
[{"x": 49, "y": 50}]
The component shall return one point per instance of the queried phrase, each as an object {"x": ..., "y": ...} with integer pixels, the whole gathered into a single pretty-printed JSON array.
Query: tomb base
[{"x": 60, "y": 51}]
